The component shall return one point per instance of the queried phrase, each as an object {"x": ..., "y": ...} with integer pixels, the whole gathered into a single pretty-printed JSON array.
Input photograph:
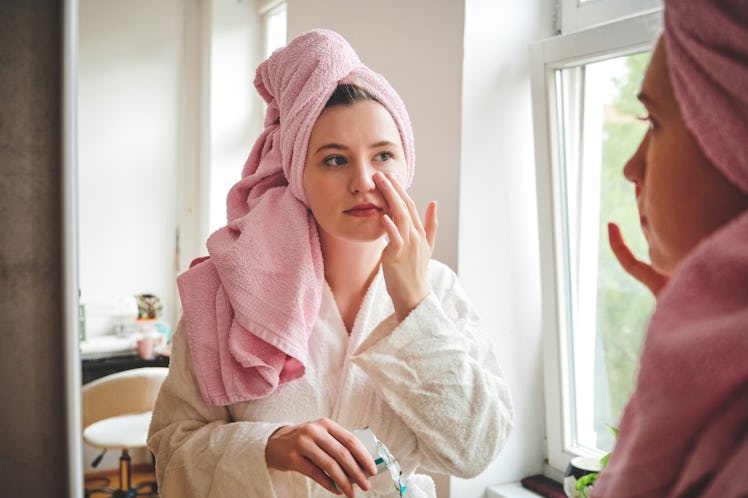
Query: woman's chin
[
  {"x": 659, "y": 262},
  {"x": 360, "y": 236},
  {"x": 369, "y": 238}
]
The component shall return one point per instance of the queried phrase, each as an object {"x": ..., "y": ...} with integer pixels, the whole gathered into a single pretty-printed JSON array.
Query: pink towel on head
[
  {"x": 249, "y": 308},
  {"x": 707, "y": 51}
]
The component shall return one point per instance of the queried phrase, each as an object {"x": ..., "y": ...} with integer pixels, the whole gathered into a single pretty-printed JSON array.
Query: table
[{"x": 94, "y": 368}]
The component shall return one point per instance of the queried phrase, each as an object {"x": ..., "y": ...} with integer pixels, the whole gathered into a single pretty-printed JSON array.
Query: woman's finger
[
  {"x": 352, "y": 443},
  {"x": 320, "y": 456},
  {"x": 431, "y": 224},
  {"x": 324, "y": 451},
  {"x": 640, "y": 270},
  {"x": 415, "y": 218},
  {"x": 398, "y": 210},
  {"x": 351, "y": 454},
  {"x": 304, "y": 466},
  {"x": 295, "y": 448},
  {"x": 394, "y": 238}
]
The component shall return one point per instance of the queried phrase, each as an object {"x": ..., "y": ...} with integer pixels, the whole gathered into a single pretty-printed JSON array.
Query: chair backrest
[{"x": 121, "y": 393}]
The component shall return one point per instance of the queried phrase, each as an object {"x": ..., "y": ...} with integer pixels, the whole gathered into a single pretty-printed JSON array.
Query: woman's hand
[
  {"x": 640, "y": 270},
  {"x": 324, "y": 451},
  {"x": 406, "y": 257}
]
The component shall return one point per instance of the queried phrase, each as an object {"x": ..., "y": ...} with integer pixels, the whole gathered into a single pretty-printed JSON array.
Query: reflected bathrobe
[{"x": 429, "y": 387}]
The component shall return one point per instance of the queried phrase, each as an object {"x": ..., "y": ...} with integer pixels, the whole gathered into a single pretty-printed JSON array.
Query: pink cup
[{"x": 145, "y": 347}]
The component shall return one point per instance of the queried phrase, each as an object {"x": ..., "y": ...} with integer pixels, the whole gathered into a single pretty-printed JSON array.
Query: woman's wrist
[{"x": 404, "y": 307}]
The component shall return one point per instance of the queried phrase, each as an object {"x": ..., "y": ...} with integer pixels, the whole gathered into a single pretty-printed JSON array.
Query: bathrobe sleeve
[
  {"x": 199, "y": 451},
  {"x": 440, "y": 376}
]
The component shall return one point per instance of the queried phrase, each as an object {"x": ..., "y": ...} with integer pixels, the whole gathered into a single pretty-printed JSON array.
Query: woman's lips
[{"x": 363, "y": 210}]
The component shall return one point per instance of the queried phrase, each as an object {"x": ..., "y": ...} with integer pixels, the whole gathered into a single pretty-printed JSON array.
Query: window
[
  {"x": 581, "y": 14},
  {"x": 594, "y": 315},
  {"x": 273, "y": 25}
]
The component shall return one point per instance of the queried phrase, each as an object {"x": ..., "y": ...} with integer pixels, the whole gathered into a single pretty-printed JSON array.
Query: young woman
[
  {"x": 684, "y": 432},
  {"x": 320, "y": 312}
]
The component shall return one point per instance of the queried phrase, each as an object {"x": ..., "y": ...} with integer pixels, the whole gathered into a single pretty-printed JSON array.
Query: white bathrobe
[{"x": 429, "y": 387}]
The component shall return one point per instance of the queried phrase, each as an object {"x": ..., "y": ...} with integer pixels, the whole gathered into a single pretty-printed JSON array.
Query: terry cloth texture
[
  {"x": 707, "y": 52},
  {"x": 429, "y": 387},
  {"x": 684, "y": 431}
]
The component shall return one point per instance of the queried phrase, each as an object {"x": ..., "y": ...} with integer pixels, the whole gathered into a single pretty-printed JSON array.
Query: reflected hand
[
  {"x": 406, "y": 257},
  {"x": 640, "y": 270},
  {"x": 324, "y": 451}
]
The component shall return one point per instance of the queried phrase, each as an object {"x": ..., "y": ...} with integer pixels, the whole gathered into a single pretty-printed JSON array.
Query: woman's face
[
  {"x": 348, "y": 144},
  {"x": 682, "y": 198}
]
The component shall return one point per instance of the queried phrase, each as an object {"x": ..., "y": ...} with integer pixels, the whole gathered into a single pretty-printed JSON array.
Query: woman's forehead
[
  {"x": 656, "y": 90},
  {"x": 366, "y": 121}
]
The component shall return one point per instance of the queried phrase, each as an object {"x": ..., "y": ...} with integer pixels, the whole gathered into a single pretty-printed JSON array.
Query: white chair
[{"x": 116, "y": 413}]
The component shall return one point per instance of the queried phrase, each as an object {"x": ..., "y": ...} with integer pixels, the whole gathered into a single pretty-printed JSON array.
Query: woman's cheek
[{"x": 398, "y": 170}]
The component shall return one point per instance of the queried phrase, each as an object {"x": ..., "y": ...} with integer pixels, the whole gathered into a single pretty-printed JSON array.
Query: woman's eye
[
  {"x": 383, "y": 156},
  {"x": 335, "y": 161},
  {"x": 648, "y": 119}
]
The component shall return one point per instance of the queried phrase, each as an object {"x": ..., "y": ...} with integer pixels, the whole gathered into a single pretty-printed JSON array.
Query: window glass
[
  {"x": 275, "y": 28},
  {"x": 607, "y": 310}
]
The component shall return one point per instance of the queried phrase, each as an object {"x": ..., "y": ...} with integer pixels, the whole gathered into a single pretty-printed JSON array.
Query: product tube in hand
[{"x": 382, "y": 458}]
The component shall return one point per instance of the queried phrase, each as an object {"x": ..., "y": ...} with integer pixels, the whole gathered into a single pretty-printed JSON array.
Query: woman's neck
[{"x": 349, "y": 270}]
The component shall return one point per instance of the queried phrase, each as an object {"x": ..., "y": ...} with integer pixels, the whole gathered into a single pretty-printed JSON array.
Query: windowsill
[
  {"x": 511, "y": 490},
  {"x": 529, "y": 487}
]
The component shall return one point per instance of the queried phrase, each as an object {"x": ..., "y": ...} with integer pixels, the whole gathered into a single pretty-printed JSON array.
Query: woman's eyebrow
[
  {"x": 383, "y": 143},
  {"x": 332, "y": 146},
  {"x": 336, "y": 146}
]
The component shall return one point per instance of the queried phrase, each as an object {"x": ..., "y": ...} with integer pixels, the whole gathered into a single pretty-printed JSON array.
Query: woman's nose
[
  {"x": 363, "y": 177},
  {"x": 637, "y": 164}
]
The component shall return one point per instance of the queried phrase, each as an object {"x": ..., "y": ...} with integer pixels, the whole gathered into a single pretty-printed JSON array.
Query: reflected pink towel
[
  {"x": 707, "y": 49},
  {"x": 685, "y": 429},
  {"x": 249, "y": 308}
]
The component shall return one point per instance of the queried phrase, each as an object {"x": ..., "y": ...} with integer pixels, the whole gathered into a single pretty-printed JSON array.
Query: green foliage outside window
[{"x": 623, "y": 304}]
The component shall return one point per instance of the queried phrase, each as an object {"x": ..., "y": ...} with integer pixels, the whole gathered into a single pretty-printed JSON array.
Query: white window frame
[
  {"x": 619, "y": 38},
  {"x": 268, "y": 9},
  {"x": 581, "y": 14}
]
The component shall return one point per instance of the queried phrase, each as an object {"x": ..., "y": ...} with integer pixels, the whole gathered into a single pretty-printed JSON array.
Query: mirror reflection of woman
[
  {"x": 684, "y": 431},
  {"x": 320, "y": 310}
]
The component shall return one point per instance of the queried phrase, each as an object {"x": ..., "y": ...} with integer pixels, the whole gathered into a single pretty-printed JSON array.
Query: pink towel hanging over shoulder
[{"x": 249, "y": 308}]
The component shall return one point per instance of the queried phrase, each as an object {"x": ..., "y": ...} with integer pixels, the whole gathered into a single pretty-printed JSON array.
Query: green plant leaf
[
  {"x": 614, "y": 430},
  {"x": 586, "y": 480}
]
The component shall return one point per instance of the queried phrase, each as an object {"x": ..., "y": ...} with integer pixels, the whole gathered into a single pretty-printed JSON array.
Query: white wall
[
  {"x": 236, "y": 110},
  {"x": 168, "y": 113},
  {"x": 417, "y": 46},
  {"x": 128, "y": 80},
  {"x": 498, "y": 252}
]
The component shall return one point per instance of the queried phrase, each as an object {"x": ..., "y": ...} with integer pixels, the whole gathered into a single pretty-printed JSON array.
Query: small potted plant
[
  {"x": 149, "y": 307},
  {"x": 583, "y": 472},
  {"x": 149, "y": 311}
]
